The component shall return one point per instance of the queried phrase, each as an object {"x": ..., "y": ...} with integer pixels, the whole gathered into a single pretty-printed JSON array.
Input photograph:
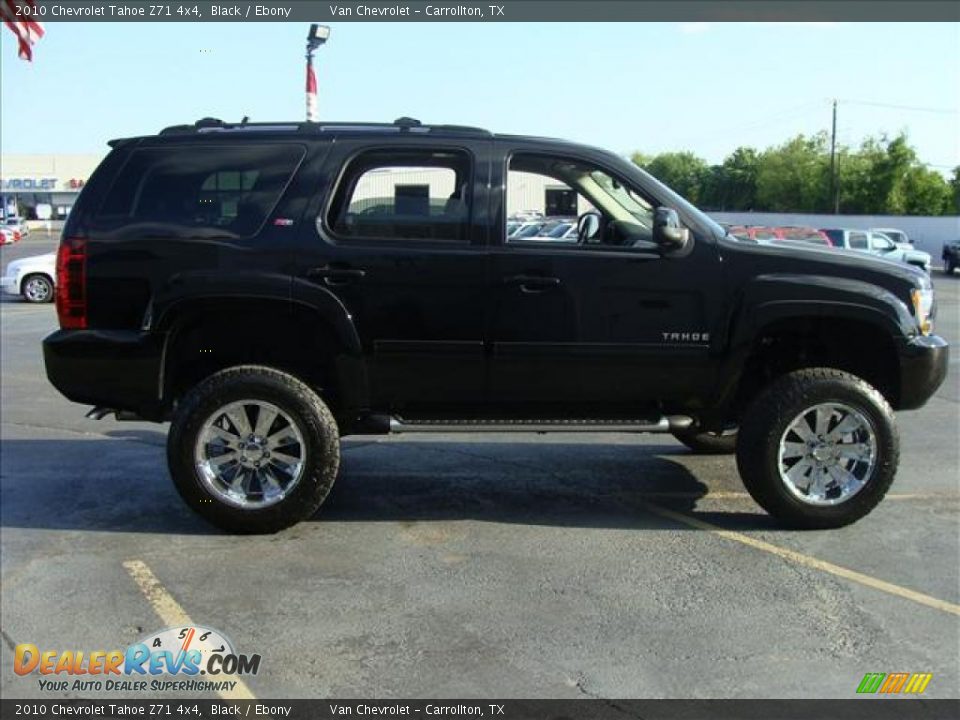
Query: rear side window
[
  {"x": 204, "y": 191},
  {"x": 404, "y": 195}
]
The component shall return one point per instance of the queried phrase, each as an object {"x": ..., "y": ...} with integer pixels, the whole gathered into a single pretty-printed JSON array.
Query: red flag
[
  {"x": 27, "y": 30},
  {"x": 312, "y": 115}
]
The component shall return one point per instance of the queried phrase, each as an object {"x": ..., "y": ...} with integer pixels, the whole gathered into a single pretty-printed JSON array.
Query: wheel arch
[
  {"x": 210, "y": 333},
  {"x": 785, "y": 335}
]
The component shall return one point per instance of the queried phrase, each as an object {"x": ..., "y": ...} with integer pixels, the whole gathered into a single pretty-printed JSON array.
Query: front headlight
[{"x": 923, "y": 308}]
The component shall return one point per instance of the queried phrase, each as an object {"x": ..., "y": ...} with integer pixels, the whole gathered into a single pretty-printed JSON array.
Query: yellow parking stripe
[
  {"x": 173, "y": 615},
  {"x": 808, "y": 561}
]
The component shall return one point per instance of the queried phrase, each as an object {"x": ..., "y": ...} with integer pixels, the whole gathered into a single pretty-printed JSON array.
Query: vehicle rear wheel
[
  {"x": 37, "y": 289},
  {"x": 253, "y": 449},
  {"x": 818, "y": 448},
  {"x": 708, "y": 443}
]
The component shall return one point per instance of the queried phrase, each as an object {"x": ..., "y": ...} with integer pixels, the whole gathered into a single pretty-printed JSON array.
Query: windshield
[{"x": 623, "y": 196}]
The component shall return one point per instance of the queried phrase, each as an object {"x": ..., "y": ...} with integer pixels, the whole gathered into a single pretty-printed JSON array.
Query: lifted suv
[{"x": 270, "y": 288}]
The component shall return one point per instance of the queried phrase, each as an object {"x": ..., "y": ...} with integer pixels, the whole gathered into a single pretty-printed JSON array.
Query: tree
[
  {"x": 882, "y": 176},
  {"x": 684, "y": 172},
  {"x": 795, "y": 177}
]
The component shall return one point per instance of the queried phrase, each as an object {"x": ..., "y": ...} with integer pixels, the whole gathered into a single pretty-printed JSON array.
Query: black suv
[{"x": 270, "y": 288}]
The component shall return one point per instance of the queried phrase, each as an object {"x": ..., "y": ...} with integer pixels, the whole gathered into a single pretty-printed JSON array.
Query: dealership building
[{"x": 33, "y": 185}]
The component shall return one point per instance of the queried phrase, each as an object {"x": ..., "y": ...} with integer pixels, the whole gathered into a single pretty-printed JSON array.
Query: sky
[{"x": 653, "y": 87}]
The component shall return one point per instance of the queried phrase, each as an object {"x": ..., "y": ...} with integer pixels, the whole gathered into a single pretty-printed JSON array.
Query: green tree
[
  {"x": 684, "y": 172},
  {"x": 795, "y": 176}
]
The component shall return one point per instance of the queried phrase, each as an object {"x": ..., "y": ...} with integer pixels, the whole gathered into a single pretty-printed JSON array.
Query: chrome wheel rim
[
  {"x": 36, "y": 290},
  {"x": 250, "y": 454},
  {"x": 827, "y": 454}
]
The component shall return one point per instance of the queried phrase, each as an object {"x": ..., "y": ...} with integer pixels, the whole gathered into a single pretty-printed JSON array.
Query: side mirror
[
  {"x": 667, "y": 231},
  {"x": 587, "y": 227}
]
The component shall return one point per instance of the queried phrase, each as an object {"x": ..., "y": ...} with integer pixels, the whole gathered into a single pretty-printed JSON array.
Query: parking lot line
[
  {"x": 173, "y": 615},
  {"x": 809, "y": 561}
]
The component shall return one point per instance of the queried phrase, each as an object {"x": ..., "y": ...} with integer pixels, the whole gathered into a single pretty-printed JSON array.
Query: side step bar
[{"x": 661, "y": 425}]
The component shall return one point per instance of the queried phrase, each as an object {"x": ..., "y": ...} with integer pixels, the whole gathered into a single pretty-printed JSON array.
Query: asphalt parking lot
[{"x": 510, "y": 566}]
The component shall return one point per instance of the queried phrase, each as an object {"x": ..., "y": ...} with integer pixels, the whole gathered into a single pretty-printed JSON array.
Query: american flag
[
  {"x": 312, "y": 114},
  {"x": 27, "y": 30}
]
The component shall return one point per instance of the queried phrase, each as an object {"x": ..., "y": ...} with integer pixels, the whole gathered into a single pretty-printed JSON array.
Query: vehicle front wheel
[
  {"x": 949, "y": 266},
  {"x": 37, "y": 289},
  {"x": 708, "y": 443},
  {"x": 818, "y": 448},
  {"x": 253, "y": 449}
]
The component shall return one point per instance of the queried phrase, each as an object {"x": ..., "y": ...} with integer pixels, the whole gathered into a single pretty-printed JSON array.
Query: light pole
[{"x": 317, "y": 36}]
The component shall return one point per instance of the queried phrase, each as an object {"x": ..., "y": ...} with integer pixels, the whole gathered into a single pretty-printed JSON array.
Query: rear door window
[
  {"x": 212, "y": 191},
  {"x": 406, "y": 195}
]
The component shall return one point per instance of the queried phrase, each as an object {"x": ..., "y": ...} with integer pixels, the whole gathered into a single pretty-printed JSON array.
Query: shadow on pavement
[{"x": 122, "y": 485}]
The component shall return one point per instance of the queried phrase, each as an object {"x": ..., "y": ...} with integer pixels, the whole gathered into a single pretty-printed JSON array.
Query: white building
[{"x": 30, "y": 182}]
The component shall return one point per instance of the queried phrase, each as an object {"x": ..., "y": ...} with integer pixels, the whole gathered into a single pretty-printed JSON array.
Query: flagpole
[
  {"x": 313, "y": 114},
  {"x": 315, "y": 38}
]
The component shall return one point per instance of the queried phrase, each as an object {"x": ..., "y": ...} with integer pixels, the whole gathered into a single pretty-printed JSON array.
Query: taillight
[{"x": 72, "y": 283}]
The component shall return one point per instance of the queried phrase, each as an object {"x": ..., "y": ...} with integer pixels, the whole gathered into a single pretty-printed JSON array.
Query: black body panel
[{"x": 470, "y": 327}]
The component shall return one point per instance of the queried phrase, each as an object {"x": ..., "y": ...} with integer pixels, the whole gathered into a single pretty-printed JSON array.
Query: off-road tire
[
  {"x": 300, "y": 402},
  {"x": 708, "y": 443},
  {"x": 775, "y": 408}
]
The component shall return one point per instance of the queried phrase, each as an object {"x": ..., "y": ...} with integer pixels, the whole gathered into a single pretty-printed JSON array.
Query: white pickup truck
[{"x": 879, "y": 244}]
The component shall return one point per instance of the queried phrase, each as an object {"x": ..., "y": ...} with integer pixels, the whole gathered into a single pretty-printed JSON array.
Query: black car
[
  {"x": 231, "y": 279},
  {"x": 951, "y": 257}
]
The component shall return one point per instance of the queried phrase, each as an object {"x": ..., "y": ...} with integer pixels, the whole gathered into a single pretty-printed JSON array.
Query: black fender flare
[
  {"x": 176, "y": 303},
  {"x": 772, "y": 298}
]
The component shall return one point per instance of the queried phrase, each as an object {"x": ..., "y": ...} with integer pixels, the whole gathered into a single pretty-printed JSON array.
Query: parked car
[
  {"x": 8, "y": 236},
  {"x": 951, "y": 257},
  {"x": 876, "y": 243},
  {"x": 803, "y": 234},
  {"x": 527, "y": 230},
  {"x": 174, "y": 305},
  {"x": 762, "y": 233},
  {"x": 17, "y": 224},
  {"x": 898, "y": 236},
  {"x": 561, "y": 232},
  {"x": 33, "y": 278}
]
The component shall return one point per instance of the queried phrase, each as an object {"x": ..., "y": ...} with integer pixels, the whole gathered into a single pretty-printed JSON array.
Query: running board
[{"x": 662, "y": 425}]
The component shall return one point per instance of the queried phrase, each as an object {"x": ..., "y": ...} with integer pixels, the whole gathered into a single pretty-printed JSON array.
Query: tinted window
[
  {"x": 836, "y": 236},
  {"x": 204, "y": 191},
  {"x": 404, "y": 195}
]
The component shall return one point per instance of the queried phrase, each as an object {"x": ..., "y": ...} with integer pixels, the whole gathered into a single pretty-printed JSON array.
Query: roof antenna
[{"x": 245, "y": 119}]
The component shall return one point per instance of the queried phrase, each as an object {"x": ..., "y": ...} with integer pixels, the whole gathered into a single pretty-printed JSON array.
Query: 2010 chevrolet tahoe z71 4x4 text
[{"x": 270, "y": 288}]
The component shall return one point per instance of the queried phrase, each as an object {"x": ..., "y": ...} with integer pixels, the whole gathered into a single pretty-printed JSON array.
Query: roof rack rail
[{"x": 403, "y": 124}]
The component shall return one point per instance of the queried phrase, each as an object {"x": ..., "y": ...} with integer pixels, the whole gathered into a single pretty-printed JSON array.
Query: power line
[
  {"x": 781, "y": 117},
  {"x": 941, "y": 111}
]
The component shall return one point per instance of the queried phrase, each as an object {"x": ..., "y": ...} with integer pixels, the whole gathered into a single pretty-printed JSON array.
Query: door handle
[
  {"x": 334, "y": 275},
  {"x": 532, "y": 283}
]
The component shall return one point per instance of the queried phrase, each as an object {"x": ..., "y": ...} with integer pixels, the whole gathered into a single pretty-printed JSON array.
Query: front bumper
[
  {"x": 119, "y": 369},
  {"x": 923, "y": 367},
  {"x": 9, "y": 285}
]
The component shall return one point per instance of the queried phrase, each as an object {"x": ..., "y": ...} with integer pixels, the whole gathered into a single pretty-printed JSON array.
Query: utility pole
[{"x": 834, "y": 180}]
